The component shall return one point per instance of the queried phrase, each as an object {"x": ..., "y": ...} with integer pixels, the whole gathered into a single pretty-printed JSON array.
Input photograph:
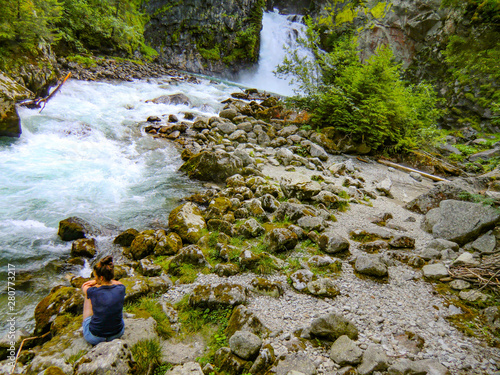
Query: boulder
[
  {"x": 296, "y": 363},
  {"x": 191, "y": 254},
  {"x": 402, "y": 242},
  {"x": 174, "y": 99},
  {"x": 228, "y": 269},
  {"x": 374, "y": 359},
  {"x": 425, "y": 367},
  {"x": 344, "y": 351},
  {"x": 188, "y": 222},
  {"x": 293, "y": 211},
  {"x": 135, "y": 287},
  {"x": 442, "y": 244},
  {"x": 435, "y": 271},
  {"x": 266, "y": 287},
  {"x": 139, "y": 330},
  {"x": 243, "y": 319},
  {"x": 167, "y": 244},
  {"x": 251, "y": 228},
  {"x": 311, "y": 223},
  {"x": 10, "y": 93},
  {"x": 371, "y": 264},
  {"x": 427, "y": 201},
  {"x": 245, "y": 345},
  {"x": 331, "y": 327},
  {"x": 125, "y": 238},
  {"x": 281, "y": 239},
  {"x": 62, "y": 299},
  {"x": 459, "y": 221},
  {"x": 229, "y": 363},
  {"x": 302, "y": 190},
  {"x": 323, "y": 288},
  {"x": 83, "y": 247},
  {"x": 485, "y": 244},
  {"x": 332, "y": 243},
  {"x": 220, "y": 295},
  {"x": 148, "y": 268},
  {"x": 73, "y": 228},
  {"x": 110, "y": 358},
  {"x": 143, "y": 245},
  {"x": 212, "y": 166},
  {"x": 190, "y": 368},
  {"x": 301, "y": 278},
  {"x": 269, "y": 202},
  {"x": 264, "y": 360}
]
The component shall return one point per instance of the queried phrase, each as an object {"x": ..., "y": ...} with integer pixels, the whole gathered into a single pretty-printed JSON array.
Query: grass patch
[
  {"x": 147, "y": 355},
  {"x": 149, "y": 307}
]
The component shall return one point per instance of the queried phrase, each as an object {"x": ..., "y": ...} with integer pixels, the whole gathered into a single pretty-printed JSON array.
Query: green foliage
[
  {"x": 147, "y": 355},
  {"x": 146, "y": 307},
  {"x": 368, "y": 102}
]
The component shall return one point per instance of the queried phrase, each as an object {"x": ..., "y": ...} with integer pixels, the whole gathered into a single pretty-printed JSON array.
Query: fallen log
[
  {"x": 406, "y": 169},
  {"x": 37, "y": 103}
]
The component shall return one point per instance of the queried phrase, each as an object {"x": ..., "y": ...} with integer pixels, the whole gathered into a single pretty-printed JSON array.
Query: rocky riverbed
[{"x": 327, "y": 261}]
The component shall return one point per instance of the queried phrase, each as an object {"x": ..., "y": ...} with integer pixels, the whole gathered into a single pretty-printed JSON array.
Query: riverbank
[{"x": 290, "y": 237}]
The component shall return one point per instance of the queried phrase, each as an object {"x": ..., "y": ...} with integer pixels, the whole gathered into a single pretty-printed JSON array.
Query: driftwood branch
[
  {"x": 406, "y": 169},
  {"x": 21, "y": 348},
  {"x": 37, "y": 103}
]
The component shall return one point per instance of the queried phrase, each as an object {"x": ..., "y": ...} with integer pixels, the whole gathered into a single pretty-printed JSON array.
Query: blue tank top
[{"x": 107, "y": 306}]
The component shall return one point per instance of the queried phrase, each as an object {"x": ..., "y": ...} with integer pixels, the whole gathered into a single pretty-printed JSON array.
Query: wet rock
[
  {"x": 220, "y": 295},
  {"x": 243, "y": 319},
  {"x": 212, "y": 166},
  {"x": 10, "y": 93},
  {"x": 344, "y": 351},
  {"x": 187, "y": 221},
  {"x": 374, "y": 359},
  {"x": 245, "y": 345},
  {"x": 281, "y": 239},
  {"x": 175, "y": 99},
  {"x": 331, "y": 327},
  {"x": 332, "y": 243},
  {"x": 83, "y": 247},
  {"x": 459, "y": 221},
  {"x": 435, "y": 271},
  {"x": 73, "y": 228},
  {"x": 371, "y": 264},
  {"x": 113, "y": 358},
  {"x": 125, "y": 238}
]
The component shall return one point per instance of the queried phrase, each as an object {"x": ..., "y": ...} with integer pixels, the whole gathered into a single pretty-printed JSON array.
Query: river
[{"x": 85, "y": 156}]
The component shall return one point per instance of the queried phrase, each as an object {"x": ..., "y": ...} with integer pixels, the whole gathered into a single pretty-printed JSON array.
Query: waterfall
[{"x": 278, "y": 33}]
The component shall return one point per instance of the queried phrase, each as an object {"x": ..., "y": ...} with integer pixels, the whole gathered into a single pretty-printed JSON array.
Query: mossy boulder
[
  {"x": 10, "y": 93},
  {"x": 281, "y": 239},
  {"x": 323, "y": 288},
  {"x": 216, "y": 296},
  {"x": 229, "y": 363},
  {"x": 73, "y": 228},
  {"x": 125, "y": 238},
  {"x": 167, "y": 244},
  {"x": 135, "y": 287},
  {"x": 243, "y": 319},
  {"x": 332, "y": 243},
  {"x": 191, "y": 254},
  {"x": 212, "y": 166},
  {"x": 251, "y": 229},
  {"x": 62, "y": 299},
  {"x": 143, "y": 245},
  {"x": 218, "y": 207},
  {"x": 331, "y": 327},
  {"x": 83, "y": 247},
  {"x": 188, "y": 222},
  {"x": 267, "y": 287}
]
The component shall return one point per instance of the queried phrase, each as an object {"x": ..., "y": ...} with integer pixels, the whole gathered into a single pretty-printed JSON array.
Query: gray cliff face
[{"x": 206, "y": 36}]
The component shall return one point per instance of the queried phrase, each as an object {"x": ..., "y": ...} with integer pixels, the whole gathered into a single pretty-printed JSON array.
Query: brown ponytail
[{"x": 105, "y": 268}]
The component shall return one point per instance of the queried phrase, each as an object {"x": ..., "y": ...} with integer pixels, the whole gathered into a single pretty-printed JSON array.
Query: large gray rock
[
  {"x": 243, "y": 319},
  {"x": 212, "y": 166},
  {"x": 435, "y": 271},
  {"x": 344, "y": 351},
  {"x": 486, "y": 244},
  {"x": 10, "y": 93},
  {"x": 374, "y": 359},
  {"x": 331, "y": 327},
  {"x": 459, "y": 221},
  {"x": 107, "y": 358},
  {"x": 332, "y": 243},
  {"x": 371, "y": 264},
  {"x": 427, "y": 201},
  {"x": 251, "y": 228},
  {"x": 281, "y": 239},
  {"x": 245, "y": 345},
  {"x": 191, "y": 254},
  {"x": 187, "y": 221},
  {"x": 139, "y": 330}
]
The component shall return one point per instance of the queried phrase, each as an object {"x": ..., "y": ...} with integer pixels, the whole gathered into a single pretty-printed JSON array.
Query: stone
[
  {"x": 229, "y": 363},
  {"x": 191, "y": 254},
  {"x": 264, "y": 360},
  {"x": 424, "y": 367},
  {"x": 485, "y": 244},
  {"x": 244, "y": 319},
  {"x": 374, "y": 359},
  {"x": 266, "y": 287},
  {"x": 332, "y": 243},
  {"x": 492, "y": 316},
  {"x": 188, "y": 350},
  {"x": 344, "y": 351},
  {"x": 323, "y": 288},
  {"x": 460, "y": 221},
  {"x": 297, "y": 363},
  {"x": 435, "y": 271},
  {"x": 143, "y": 245},
  {"x": 251, "y": 229},
  {"x": 317, "y": 151},
  {"x": 190, "y": 368},
  {"x": 73, "y": 228},
  {"x": 228, "y": 269},
  {"x": 212, "y": 166},
  {"x": 61, "y": 299},
  {"x": 430, "y": 254},
  {"x": 220, "y": 295},
  {"x": 167, "y": 244},
  {"x": 111, "y": 358},
  {"x": 427, "y": 201},
  {"x": 187, "y": 221},
  {"x": 135, "y": 287},
  {"x": 373, "y": 246},
  {"x": 229, "y": 113},
  {"x": 311, "y": 223},
  {"x": 301, "y": 278},
  {"x": 416, "y": 176},
  {"x": 442, "y": 244},
  {"x": 466, "y": 259},
  {"x": 402, "y": 242},
  {"x": 300, "y": 189},
  {"x": 175, "y": 99},
  {"x": 223, "y": 226},
  {"x": 371, "y": 264},
  {"x": 458, "y": 284},
  {"x": 269, "y": 203},
  {"x": 11, "y": 92},
  {"x": 125, "y": 238},
  {"x": 385, "y": 187},
  {"x": 473, "y": 296},
  {"x": 148, "y": 268},
  {"x": 281, "y": 239},
  {"x": 245, "y": 345},
  {"x": 139, "y": 330},
  {"x": 83, "y": 247},
  {"x": 331, "y": 327}
]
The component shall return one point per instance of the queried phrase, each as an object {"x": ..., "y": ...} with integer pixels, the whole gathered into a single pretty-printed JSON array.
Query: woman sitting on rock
[{"x": 103, "y": 307}]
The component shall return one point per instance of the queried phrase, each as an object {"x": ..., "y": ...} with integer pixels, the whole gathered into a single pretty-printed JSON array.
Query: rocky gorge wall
[{"x": 206, "y": 36}]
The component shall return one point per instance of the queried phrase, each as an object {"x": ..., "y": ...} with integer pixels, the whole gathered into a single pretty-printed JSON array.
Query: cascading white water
[{"x": 279, "y": 32}]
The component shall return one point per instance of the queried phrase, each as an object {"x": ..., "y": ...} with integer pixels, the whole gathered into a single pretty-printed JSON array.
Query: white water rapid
[{"x": 85, "y": 156}]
